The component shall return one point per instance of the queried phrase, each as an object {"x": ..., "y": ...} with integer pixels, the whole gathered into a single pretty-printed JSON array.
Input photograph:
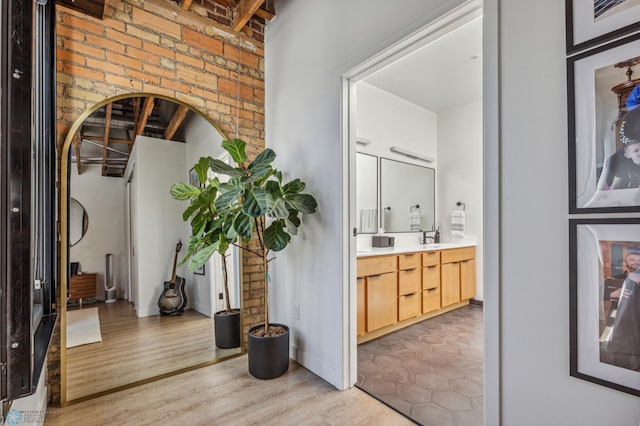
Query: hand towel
[
  {"x": 368, "y": 220},
  {"x": 457, "y": 223}
]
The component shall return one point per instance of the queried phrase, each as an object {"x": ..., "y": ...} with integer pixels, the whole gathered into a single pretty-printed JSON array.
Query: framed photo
[
  {"x": 199, "y": 271},
  {"x": 599, "y": 84},
  {"x": 604, "y": 302},
  {"x": 593, "y": 22}
]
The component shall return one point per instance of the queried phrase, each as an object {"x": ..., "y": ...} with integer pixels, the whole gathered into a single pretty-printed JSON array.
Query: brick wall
[{"x": 156, "y": 47}]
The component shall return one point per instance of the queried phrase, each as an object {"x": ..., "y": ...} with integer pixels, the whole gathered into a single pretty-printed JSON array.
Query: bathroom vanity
[{"x": 398, "y": 287}]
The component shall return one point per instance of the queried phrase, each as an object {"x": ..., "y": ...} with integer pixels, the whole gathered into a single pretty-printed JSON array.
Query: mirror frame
[
  {"x": 85, "y": 221},
  {"x": 435, "y": 210},
  {"x": 377, "y": 191},
  {"x": 63, "y": 287}
]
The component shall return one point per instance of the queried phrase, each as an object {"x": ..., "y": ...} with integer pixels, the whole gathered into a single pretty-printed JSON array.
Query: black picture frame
[
  {"x": 592, "y": 108},
  {"x": 596, "y": 323},
  {"x": 589, "y": 24},
  {"x": 200, "y": 271}
]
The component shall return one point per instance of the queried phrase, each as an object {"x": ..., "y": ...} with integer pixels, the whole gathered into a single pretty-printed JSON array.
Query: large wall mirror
[
  {"x": 78, "y": 221},
  {"x": 367, "y": 193},
  {"x": 407, "y": 196},
  {"x": 119, "y": 162}
]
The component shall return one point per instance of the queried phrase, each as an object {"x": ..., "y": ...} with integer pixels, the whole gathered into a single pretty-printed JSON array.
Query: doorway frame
[{"x": 469, "y": 10}]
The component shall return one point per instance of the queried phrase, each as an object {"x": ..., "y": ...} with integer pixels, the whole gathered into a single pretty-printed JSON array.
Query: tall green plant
[{"x": 254, "y": 204}]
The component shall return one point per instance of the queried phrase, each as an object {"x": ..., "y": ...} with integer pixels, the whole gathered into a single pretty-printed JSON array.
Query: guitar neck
[{"x": 175, "y": 262}]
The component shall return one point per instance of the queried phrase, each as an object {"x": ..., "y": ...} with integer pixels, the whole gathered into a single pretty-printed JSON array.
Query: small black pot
[
  {"x": 268, "y": 356},
  {"x": 227, "y": 329}
]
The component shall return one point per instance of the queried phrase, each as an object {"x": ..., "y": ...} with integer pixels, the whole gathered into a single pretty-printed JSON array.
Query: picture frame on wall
[
  {"x": 604, "y": 298},
  {"x": 600, "y": 84},
  {"x": 593, "y": 22},
  {"x": 200, "y": 271}
]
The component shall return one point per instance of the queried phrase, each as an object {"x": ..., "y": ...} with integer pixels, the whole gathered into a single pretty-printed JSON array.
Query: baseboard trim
[{"x": 476, "y": 302}]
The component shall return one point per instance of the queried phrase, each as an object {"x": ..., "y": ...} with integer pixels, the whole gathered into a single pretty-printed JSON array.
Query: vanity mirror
[
  {"x": 120, "y": 158},
  {"x": 407, "y": 196},
  {"x": 367, "y": 193}
]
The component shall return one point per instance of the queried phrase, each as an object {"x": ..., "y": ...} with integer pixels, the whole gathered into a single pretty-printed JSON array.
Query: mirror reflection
[
  {"x": 123, "y": 159},
  {"x": 78, "y": 221},
  {"x": 407, "y": 196},
  {"x": 367, "y": 193}
]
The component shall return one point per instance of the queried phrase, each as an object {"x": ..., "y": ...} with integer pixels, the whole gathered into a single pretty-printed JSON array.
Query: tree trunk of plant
[{"x": 225, "y": 281}]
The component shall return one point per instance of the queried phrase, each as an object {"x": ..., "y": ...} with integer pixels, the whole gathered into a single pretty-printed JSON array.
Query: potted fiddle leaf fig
[
  {"x": 258, "y": 208},
  {"x": 207, "y": 238}
]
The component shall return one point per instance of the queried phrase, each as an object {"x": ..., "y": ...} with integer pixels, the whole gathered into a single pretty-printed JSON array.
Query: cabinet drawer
[
  {"x": 82, "y": 286},
  {"x": 430, "y": 300},
  {"x": 408, "y": 306},
  {"x": 430, "y": 258},
  {"x": 377, "y": 265},
  {"x": 408, "y": 281},
  {"x": 409, "y": 261},
  {"x": 456, "y": 255},
  {"x": 362, "y": 308},
  {"x": 431, "y": 277}
]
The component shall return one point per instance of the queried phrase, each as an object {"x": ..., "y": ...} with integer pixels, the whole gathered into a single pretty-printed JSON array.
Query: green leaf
[
  {"x": 189, "y": 211},
  {"x": 229, "y": 195},
  {"x": 219, "y": 166},
  {"x": 229, "y": 231},
  {"x": 201, "y": 257},
  {"x": 275, "y": 238},
  {"x": 236, "y": 148},
  {"x": 255, "y": 202},
  {"x": 223, "y": 245},
  {"x": 276, "y": 206},
  {"x": 243, "y": 225},
  {"x": 202, "y": 168},
  {"x": 294, "y": 187},
  {"x": 184, "y": 191},
  {"x": 273, "y": 187},
  {"x": 262, "y": 163},
  {"x": 291, "y": 227},
  {"x": 303, "y": 203}
]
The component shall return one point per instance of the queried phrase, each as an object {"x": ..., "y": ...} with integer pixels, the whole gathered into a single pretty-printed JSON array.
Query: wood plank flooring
[
  {"x": 134, "y": 349},
  {"x": 225, "y": 394}
]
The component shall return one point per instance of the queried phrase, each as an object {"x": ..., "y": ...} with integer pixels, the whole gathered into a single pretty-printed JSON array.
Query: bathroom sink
[{"x": 430, "y": 246}]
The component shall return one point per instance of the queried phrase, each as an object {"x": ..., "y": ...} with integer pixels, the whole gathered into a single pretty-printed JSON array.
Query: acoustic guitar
[{"x": 173, "y": 298}]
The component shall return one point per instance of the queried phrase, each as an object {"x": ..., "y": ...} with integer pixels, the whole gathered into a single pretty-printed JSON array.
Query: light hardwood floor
[
  {"x": 134, "y": 349},
  {"x": 225, "y": 394}
]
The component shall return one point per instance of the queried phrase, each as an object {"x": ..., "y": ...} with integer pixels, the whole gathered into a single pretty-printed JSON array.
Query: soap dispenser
[{"x": 436, "y": 236}]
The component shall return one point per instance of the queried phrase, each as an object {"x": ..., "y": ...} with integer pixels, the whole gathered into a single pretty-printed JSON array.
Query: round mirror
[{"x": 78, "y": 222}]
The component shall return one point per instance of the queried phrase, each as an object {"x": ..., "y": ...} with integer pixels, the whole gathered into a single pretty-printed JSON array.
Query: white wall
[
  {"x": 460, "y": 175},
  {"x": 534, "y": 256},
  {"x": 308, "y": 47},
  {"x": 158, "y": 165},
  {"x": 104, "y": 200},
  {"x": 388, "y": 120}
]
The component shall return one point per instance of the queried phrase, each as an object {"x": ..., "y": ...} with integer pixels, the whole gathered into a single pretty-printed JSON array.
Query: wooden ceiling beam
[
  {"x": 141, "y": 121},
  {"x": 186, "y": 4},
  {"x": 105, "y": 139},
  {"x": 265, "y": 14},
  {"x": 176, "y": 121},
  {"x": 244, "y": 11}
]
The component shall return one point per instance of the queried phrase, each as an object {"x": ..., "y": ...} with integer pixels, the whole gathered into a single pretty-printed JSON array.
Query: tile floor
[{"x": 431, "y": 371}]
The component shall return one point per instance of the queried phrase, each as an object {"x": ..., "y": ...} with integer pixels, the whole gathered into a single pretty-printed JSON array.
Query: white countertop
[{"x": 379, "y": 251}]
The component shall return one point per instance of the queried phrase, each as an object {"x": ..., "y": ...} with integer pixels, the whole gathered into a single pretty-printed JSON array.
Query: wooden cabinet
[
  {"x": 379, "y": 305},
  {"x": 82, "y": 287},
  {"x": 430, "y": 281},
  {"x": 399, "y": 290},
  {"x": 458, "y": 275},
  {"x": 362, "y": 306}
]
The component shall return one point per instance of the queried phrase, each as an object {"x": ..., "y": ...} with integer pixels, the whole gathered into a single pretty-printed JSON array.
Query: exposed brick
[
  {"x": 63, "y": 32},
  {"x": 82, "y": 23},
  {"x": 125, "y": 39},
  {"x": 190, "y": 60},
  {"x": 70, "y": 56},
  {"x": 128, "y": 83},
  {"x": 143, "y": 34},
  {"x": 173, "y": 84},
  {"x": 160, "y": 24},
  {"x": 84, "y": 49},
  {"x": 201, "y": 41},
  {"x": 159, "y": 90},
  {"x": 110, "y": 67},
  {"x": 143, "y": 55},
  {"x": 158, "y": 71},
  {"x": 158, "y": 50},
  {"x": 75, "y": 92},
  {"x": 124, "y": 60},
  {"x": 79, "y": 71},
  {"x": 104, "y": 43}
]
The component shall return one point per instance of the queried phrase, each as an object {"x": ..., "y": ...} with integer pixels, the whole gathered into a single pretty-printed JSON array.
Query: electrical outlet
[
  {"x": 38, "y": 284},
  {"x": 220, "y": 296},
  {"x": 296, "y": 311}
]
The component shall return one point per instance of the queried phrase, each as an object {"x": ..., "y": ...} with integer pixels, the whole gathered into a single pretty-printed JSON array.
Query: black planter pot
[
  {"x": 227, "y": 328},
  {"x": 268, "y": 356}
]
